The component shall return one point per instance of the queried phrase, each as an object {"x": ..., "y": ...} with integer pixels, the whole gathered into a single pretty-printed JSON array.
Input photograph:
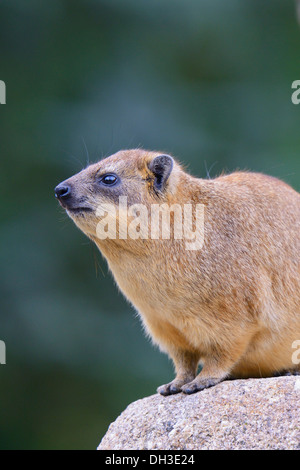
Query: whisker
[{"x": 86, "y": 151}]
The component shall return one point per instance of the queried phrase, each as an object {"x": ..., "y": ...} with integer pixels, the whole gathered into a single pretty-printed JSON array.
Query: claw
[
  {"x": 169, "y": 389},
  {"x": 198, "y": 385}
]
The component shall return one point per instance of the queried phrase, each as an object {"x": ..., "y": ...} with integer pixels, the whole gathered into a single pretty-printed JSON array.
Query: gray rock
[{"x": 237, "y": 414}]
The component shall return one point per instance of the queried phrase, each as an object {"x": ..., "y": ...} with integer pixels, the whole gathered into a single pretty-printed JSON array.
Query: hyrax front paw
[
  {"x": 170, "y": 389},
  {"x": 199, "y": 384},
  {"x": 176, "y": 385}
]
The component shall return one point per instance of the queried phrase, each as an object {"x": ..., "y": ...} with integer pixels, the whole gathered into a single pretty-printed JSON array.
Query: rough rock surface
[{"x": 237, "y": 414}]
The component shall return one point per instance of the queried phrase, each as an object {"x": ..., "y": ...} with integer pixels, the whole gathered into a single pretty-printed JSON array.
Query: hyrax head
[{"x": 137, "y": 176}]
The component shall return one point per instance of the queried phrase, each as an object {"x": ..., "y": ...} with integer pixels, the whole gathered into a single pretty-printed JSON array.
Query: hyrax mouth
[
  {"x": 67, "y": 205},
  {"x": 78, "y": 210}
]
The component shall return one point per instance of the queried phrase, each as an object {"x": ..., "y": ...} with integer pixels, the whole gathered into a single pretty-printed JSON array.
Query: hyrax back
[{"x": 232, "y": 304}]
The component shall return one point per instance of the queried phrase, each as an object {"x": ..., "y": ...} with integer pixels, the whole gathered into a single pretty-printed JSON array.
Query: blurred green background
[{"x": 206, "y": 80}]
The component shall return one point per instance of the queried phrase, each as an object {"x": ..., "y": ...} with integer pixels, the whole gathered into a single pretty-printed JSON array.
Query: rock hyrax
[{"x": 232, "y": 304}]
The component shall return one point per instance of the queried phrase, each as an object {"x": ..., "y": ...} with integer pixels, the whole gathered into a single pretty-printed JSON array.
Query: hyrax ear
[{"x": 161, "y": 167}]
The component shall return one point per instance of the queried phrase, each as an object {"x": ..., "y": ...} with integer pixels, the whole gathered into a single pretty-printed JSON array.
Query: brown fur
[{"x": 234, "y": 305}]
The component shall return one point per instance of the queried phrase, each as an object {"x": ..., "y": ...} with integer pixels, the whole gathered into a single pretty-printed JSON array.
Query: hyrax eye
[{"x": 109, "y": 179}]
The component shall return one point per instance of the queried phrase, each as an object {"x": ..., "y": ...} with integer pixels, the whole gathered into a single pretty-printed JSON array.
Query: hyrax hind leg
[
  {"x": 186, "y": 364},
  {"x": 217, "y": 366}
]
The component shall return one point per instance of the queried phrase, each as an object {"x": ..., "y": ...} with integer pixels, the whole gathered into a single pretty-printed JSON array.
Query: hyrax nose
[{"x": 62, "y": 191}]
